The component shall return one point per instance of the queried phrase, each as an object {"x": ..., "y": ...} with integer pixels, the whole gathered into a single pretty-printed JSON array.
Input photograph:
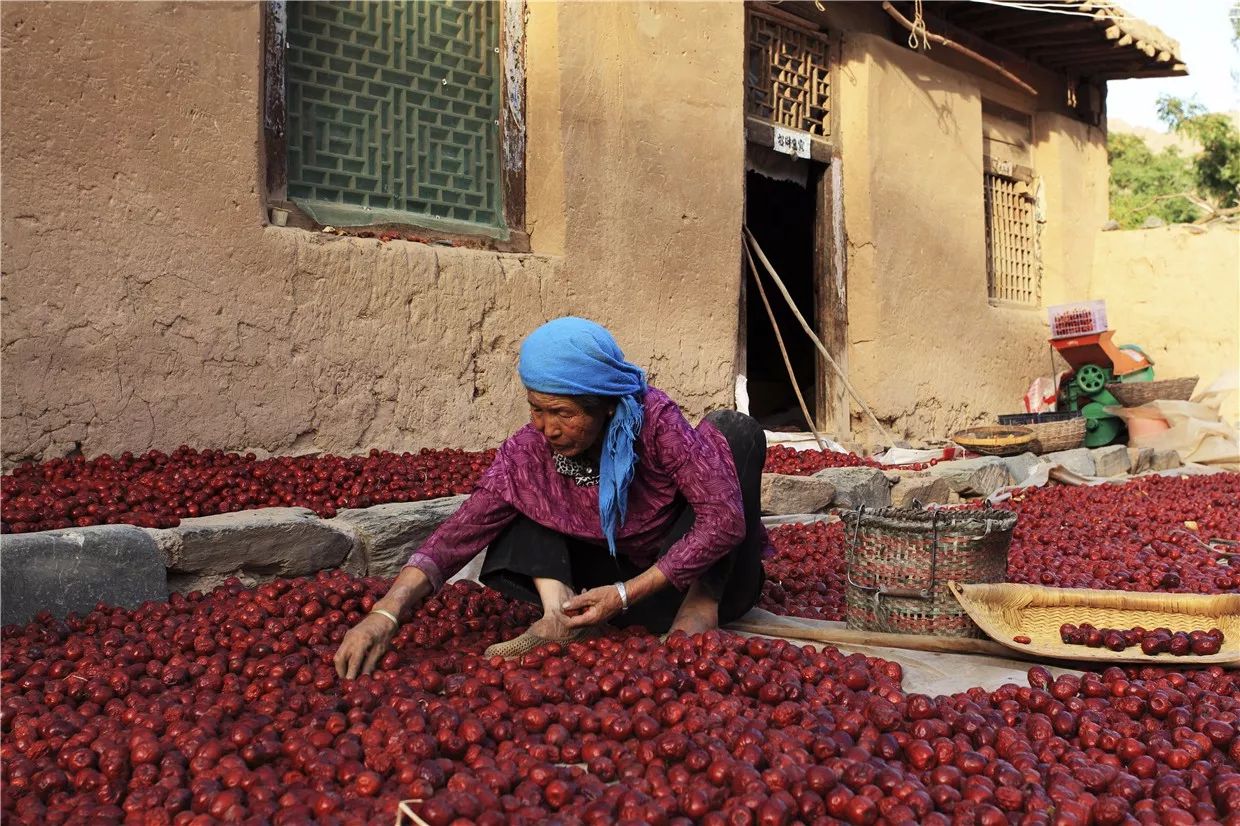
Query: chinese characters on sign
[{"x": 792, "y": 142}]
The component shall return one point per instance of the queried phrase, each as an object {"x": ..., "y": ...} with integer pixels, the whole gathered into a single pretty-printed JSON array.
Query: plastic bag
[
  {"x": 1224, "y": 397},
  {"x": 1041, "y": 395},
  {"x": 897, "y": 456},
  {"x": 1196, "y": 431}
]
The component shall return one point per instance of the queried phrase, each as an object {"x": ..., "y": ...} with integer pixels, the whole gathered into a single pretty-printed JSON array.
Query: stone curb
[{"x": 73, "y": 569}]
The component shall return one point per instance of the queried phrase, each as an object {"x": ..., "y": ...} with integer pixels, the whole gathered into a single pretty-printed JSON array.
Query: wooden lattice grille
[
  {"x": 1013, "y": 265},
  {"x": 788, "y": 76},
  {"x": 393, "y": 110}
]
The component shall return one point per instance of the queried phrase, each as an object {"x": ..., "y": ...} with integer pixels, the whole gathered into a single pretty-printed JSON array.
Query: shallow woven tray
[
  {"x": 1137, "y": 393},
  {"x": 995, "y": 440},
  {"x": 1006, "y": 610}
]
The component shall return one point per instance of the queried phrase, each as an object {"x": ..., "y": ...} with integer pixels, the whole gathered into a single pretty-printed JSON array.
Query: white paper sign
[{"x": 791, "y": 142}]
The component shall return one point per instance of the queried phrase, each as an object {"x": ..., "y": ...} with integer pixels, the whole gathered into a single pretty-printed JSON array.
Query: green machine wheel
[{"x": 1092, "y": 379}]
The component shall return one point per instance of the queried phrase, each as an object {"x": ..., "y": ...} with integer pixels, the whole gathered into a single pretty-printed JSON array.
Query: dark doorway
[{"x": 780, "y": 211}]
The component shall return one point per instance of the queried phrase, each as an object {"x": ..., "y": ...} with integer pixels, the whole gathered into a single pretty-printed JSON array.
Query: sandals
[{"x": 528, "y": 641}]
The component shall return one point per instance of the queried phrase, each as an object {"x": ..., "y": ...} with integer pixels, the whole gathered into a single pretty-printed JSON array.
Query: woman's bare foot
[
  {"x": 551, "y": 626},
  {"x": 698, "y": 614}
]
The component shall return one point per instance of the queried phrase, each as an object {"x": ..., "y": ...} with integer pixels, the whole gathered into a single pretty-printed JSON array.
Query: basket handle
[{"x": 925, "y": 592}]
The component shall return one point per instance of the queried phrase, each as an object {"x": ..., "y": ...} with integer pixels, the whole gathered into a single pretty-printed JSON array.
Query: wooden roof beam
[
  {"x": 1005, "y": 57},
  {"x": 1174, "y": 70}
]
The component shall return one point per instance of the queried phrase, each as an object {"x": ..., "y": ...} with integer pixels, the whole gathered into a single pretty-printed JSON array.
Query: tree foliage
[
  {"x": 1145, "y": 184},
  {"x": 1216, "y": 168}
]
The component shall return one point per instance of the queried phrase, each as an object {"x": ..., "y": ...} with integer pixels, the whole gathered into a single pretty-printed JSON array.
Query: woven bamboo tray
[
  {"x": 1006, "y": 610},
  {"x": 1137, "y": 393},
  {"x": 995, "y": 440}
]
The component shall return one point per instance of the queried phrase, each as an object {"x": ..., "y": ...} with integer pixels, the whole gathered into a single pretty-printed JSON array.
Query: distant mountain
[{"x": 1158, "y": 141}]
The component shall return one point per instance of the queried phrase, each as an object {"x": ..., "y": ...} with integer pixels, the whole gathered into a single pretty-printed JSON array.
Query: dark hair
[{"x": 593, "y": 403}]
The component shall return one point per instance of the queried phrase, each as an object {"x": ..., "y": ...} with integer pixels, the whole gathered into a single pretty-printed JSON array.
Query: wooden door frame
[
  {"x": 831, "y": 298},
  {"x": 832, "y": 412}
]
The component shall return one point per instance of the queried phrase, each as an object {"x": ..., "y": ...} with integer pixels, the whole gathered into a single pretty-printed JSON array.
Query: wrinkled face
[{"x": 570, "y": 429}]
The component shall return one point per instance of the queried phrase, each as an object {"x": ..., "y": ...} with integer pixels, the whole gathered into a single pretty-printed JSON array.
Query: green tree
[
  {"x": 1216, "y": 168},
  {"x": 1145, "y": 184}
]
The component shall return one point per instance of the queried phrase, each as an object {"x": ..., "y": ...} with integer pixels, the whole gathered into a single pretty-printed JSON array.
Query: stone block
[
  {"x": 1078, "y": 460},
  {"x": 919, "y": 487},
  {"x": 782, "y": 494},
  {"x": 1165, "y": 460},
  {"x": 1140, "y": 459},
  {"x": 389, "y": 534},
  {"x": 256, "y": 545},
  {"x": 1020, "y": 466},
  {"x": 1111, "y": 460},
  {"x": 973, "y": 477},
  {"x": 857, "y": 486},
  {"x": 70, "y": 570}
]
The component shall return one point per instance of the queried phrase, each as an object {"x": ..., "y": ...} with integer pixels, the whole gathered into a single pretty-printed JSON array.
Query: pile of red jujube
[
  {"x": 1129, "y": 537},
  {"x": 792, "y": 462},
  {"x": 226, "y": 708},
  {"x": 805, "y": 578},
  {"x": 157, "y": 490},
  {"x": 1152, "y": 642},
  {"x": 1150, "y": 534}
]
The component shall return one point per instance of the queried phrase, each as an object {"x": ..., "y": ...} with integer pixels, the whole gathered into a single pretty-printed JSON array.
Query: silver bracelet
[{"x": 624, "y": 597}]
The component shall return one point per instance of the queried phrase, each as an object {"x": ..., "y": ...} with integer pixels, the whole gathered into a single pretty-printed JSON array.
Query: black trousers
[{"x": 526, "y": 550}]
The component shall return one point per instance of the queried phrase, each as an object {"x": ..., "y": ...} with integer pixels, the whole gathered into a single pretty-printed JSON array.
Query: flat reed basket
[
  {"x": 1006, "y": 610},
  {"x": 995, "y": 440}
]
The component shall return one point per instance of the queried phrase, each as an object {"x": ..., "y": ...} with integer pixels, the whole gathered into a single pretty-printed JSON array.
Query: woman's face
[{"x": 570, "y": 429}]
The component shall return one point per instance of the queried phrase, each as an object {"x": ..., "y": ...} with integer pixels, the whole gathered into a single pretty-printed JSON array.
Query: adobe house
[{"x": 922, "y": 205}]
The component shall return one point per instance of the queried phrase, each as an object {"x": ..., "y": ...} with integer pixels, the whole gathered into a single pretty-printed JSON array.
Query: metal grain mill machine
[{"x": 1079, "y": 334}]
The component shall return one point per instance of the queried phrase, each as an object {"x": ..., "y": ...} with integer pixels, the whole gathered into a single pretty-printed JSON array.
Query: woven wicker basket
[
  {"x": 1051, "y": 431},
  {"x": 995, "y": 440},
  {"x": 1005, "y": 611},
  {"x": 1137, "y": 393},
  {"x": 900, "y": 561},
  {"x": 1055, "y": 436}
]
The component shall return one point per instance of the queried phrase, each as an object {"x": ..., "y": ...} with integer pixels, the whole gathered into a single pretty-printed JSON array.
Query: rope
[
  {"x": 918, "y": 37},
  {"x": 783, "y": 351},
  {"x": 953, "y": 45},
  {"x": 1042, "y": 9},
  {"x": 817, "y": 341}
]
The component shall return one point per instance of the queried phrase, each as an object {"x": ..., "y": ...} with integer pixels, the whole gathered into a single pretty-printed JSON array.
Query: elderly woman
[{"x": 609, "y": 507}]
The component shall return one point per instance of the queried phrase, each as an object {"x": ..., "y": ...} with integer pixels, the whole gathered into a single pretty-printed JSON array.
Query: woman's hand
[
  {"x": 363, "y": 645},
  {"x": 366, "y": 642},
  {"x": 593, "y": 607}
]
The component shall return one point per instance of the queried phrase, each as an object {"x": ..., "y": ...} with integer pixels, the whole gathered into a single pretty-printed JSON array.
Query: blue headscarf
[{"x": 576, "y": 357}]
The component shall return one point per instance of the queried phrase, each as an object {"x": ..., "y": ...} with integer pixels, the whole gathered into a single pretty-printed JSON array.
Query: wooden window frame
[
  {"x": 1015, "y": 173},
  {"x": 760, "y": 131},
  {"x": 273, "y": 155}
]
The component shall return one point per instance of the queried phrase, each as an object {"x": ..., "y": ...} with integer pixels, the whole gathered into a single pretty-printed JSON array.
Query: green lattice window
[{"x": 393, "y": 113}]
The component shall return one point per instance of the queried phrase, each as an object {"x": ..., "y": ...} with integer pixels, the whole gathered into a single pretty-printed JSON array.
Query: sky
[{"x": 1205, "y": 36}]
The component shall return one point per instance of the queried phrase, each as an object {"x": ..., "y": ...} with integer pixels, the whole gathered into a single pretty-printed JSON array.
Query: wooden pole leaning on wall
[
  {"x": 809, "y": 331},
  {"x": 954, "y": 46},
  {"x": 783, "y": 351}
]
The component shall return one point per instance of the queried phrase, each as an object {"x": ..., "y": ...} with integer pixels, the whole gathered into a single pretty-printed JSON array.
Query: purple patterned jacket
[{"x": 674, "y": 458}]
